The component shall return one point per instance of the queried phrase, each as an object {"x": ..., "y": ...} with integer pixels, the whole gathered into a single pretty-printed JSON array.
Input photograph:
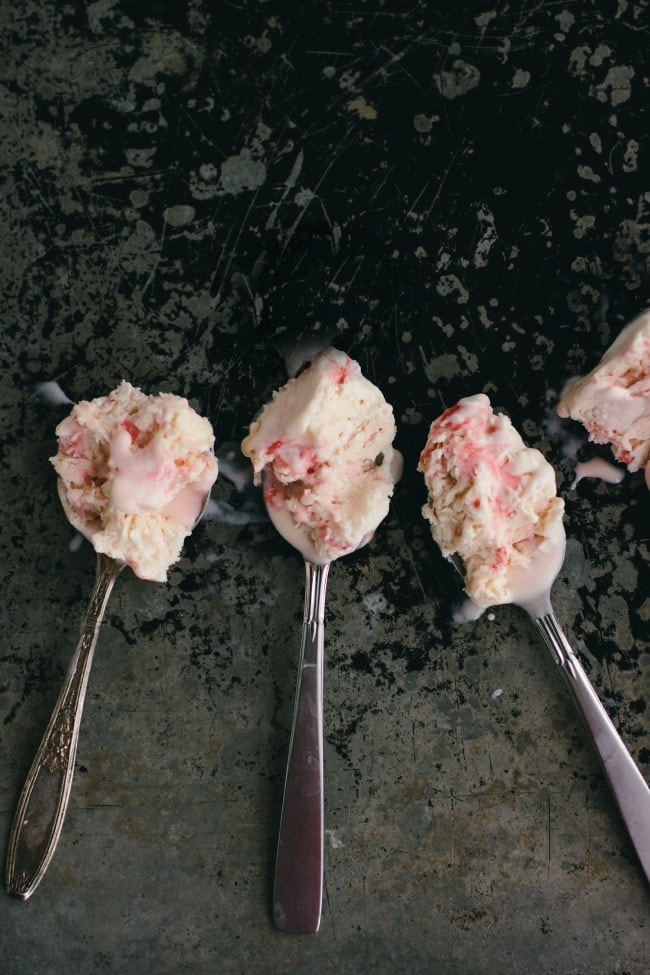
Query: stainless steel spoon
[
  {"x": 532, "y": 592},
  {"x": 298, "y": 883},
  {"x": 44, "y": 799}
]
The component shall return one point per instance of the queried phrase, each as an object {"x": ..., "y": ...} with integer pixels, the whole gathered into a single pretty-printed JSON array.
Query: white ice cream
[
  {"x": 492, "y": 501},
  {"x": 613, "y": 400},
  {"x": 324, "y": 445},
  {"x": 134, "y": 471}
]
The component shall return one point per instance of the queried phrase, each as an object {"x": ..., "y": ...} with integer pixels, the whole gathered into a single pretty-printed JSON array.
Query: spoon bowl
[{"x": 43, "y": 802}]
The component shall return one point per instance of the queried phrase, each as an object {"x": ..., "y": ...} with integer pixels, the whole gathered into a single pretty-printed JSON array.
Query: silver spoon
[
  {"x": 531, "y": 590},
  {"x": 298, "y": 883},
  {"x": 43, "y": 802}
]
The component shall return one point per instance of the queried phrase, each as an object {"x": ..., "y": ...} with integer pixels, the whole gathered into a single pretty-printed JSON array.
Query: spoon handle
[
  {"x": 298, "y": 888},
  {"x": 44, "y": 799},
  {"x": 628, "y": 786}
]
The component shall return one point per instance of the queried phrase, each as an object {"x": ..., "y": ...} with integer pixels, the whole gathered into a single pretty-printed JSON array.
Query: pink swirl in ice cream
[
  {"x": 324, "y": 444},
  {"x": 613, "y": 400},
  {"x": 134, "y": 471},
  {"x": 491, "y": 501}
]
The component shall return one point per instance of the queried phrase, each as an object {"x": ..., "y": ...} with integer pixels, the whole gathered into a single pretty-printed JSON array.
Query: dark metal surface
[{"x": 457, "y": 195}]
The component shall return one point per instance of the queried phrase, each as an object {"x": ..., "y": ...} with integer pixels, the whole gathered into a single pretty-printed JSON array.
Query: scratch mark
[
  {"x": 452, "y": 878},
  {"x": 152, "y": 274},
  {"x": 336, "y": 154},
  {"x": 337, "y": 960},
  {"x": 233, "y": 250},
  {"x": 289, "y": 184},
  {"x": 548, "y": 834}
]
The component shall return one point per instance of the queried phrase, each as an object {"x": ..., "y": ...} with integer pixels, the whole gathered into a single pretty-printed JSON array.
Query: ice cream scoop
[
  {"x": 44, "y": 799},
  {"x": 613, "y": 400},
  {"x": 491, "y": 499},
  {"x": 133, "y": 472},
  {"x": 323, "y": 447},
  {"x": 525, "y": 582}
]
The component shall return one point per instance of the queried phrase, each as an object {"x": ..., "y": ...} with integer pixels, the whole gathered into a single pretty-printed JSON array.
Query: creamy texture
[
  {"x": 597, "y": 468},
  {"x": 324, "y": 444},
  {"x": 492, "y": 502},
  {"x": 613, "y": 400},
  {"x": 134, "y": 472}
]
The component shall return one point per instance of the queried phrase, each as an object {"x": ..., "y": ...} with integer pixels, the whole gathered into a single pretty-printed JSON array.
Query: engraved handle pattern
[
  {"x": 298, "y": 887},
  {"x": 44, "y": 800}
]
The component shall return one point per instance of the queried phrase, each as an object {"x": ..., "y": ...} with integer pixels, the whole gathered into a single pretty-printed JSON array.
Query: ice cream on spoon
[
  {"x": 613, "y": 400},
  {"x": 323, "y": 448},
  {"x": 492, "y": 502},
  {"x": 134, "y": 471},
  {"x": 494, "y": 512}
]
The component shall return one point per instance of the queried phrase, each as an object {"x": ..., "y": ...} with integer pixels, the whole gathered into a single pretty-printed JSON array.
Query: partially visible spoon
[
  {"x": 43, "y": 802},
  {"x": 626, "y": 782},
  {"x": 530, "y": 588},
  {"x": 44, "y": 799}
]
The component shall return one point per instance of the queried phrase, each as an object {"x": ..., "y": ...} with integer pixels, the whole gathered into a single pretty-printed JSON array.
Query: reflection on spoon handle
[
  {"x": 44, "y": 799},
  {"x": 625, "y": 780},
  {"x": 298, "y": 889}
]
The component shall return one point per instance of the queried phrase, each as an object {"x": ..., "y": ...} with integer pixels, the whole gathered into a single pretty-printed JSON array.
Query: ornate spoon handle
[
  {"x": 628, "y": 786},
  {"x": 298, "y": 889},
  {"x": 44, "y": 799}
]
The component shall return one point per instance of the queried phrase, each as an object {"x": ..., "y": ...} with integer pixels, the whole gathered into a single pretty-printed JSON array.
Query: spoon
[
  {"x": 531, "y": 591},
  {"x": 298, "y": 883},
  {"x": 43, "y": 802}
]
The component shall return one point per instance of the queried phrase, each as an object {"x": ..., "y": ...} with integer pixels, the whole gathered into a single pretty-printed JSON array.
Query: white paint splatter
[
  {"x": 98, "y": 11},
  {"x": 488, "y": 237},
  {"x": 617, "y": 84},
  {"x": 242, "y": 172},
  {"x": 304, "y": 197},
  {"x": 424, "y": 123},
  {"x": 630, "y": 159},
  {"x": 334, "y": 839},
  {"x": 586, "y": 172},
  {"x": 363, "y": 109},
  {"x": 448, "y": 284},
  {"x": 521, "y": 78},
  {"x": 179, "y": 215},
  {"x": 262, "y": 44},
  {"x": 460, "y": 79},
  {"x": 482, "y": 20},
  {"x": 376, "y": 602},
  {"x": 565, "y": 19}
]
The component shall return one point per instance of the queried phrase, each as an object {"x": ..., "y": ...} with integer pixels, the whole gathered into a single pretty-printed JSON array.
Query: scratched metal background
[{"x": 458, "y": 195}]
